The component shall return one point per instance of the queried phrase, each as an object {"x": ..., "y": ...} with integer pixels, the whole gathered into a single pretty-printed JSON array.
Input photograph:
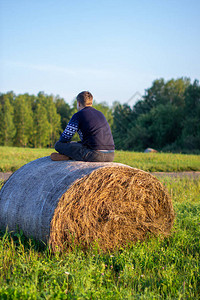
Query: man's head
[{"x": 84, "y": 99}]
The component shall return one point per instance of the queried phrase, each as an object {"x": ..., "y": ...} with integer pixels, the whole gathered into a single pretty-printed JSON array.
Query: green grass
[
  {"x": 156, "y": 269},
  {"x": 159, "y": 162},
  {"x": 12, "y": 158}
]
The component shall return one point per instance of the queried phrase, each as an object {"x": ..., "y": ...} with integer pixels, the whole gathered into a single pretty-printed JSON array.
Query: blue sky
[{"x": 113, "y": 48}]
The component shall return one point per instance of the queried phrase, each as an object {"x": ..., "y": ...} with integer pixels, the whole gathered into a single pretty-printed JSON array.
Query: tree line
[
  {"x": 36, "y": 121},
  {"x": 166, "y": 118}
]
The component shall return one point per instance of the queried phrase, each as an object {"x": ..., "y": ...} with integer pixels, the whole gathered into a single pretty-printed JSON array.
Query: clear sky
[{"x": 113, "y": 48}]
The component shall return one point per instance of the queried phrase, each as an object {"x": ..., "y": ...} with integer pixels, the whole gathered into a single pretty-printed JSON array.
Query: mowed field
[
  {"x": 12, "y": 158},
  {"x": 154, "y": 269}
]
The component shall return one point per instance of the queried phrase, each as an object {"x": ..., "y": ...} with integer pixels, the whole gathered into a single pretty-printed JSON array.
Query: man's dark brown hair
[{"x": 85, "y": 98}]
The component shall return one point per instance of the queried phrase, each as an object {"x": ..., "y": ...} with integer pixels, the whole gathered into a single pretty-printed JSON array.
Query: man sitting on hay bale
[{"x": 94, "y": 131}]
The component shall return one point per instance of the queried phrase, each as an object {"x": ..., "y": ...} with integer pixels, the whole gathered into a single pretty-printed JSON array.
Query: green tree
[
  {"x": 141, "y": 137},
  {"x": 23, "y": 120},
  {"x": 123, "y": 121},
  {"x": 191, "y": 123},
  {"x": 163, "y": 92},
  {"x": 174, "y": 91},
  {"x": 54, "y": 120},
  {"x": 155, "y": 120},
  {"x": 42, "y": 128},
  {"x": 7, "y": 127},
  {"x": 64, "y": 110},
  {"x": 166, "y": 125},
  {"x": 53, "y": 117}
]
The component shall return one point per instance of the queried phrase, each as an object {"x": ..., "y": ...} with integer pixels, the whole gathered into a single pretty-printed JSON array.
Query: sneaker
[{"x": 57, "y": 156}]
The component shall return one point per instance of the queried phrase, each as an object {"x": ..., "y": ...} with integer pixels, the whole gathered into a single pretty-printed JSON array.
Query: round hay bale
[
  {"x": 149, "y": 150},
  {"x": 69, "y": 202}
]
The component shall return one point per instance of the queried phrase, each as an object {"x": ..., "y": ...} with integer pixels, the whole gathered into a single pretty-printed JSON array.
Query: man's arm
[{"x": 70, "y": 130}]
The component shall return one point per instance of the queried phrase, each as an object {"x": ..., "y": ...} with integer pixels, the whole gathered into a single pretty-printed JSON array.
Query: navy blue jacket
[{"x": 92, "y": 127}]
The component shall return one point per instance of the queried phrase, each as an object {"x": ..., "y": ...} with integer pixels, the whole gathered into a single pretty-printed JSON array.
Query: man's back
[{"x": 94, "y": 129}]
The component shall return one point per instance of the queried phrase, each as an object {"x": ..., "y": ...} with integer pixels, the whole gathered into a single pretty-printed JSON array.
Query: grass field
[
  {"x": 155, "y": 269},
  {"x": 13, "y": 158}
]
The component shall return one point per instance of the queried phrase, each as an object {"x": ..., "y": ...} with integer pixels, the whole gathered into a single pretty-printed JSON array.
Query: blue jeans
[{"x": 77, "y": 151}]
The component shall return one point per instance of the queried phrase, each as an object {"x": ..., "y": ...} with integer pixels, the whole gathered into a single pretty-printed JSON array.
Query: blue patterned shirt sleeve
[{"x": 71, "y": 128}]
